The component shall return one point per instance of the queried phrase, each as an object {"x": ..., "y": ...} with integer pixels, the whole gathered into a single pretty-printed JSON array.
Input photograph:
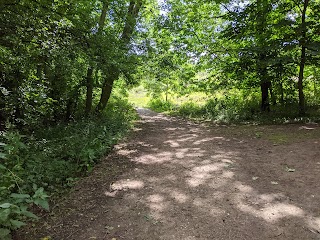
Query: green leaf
[
  {"x": 17, "y": 224},
  {"x": 43, "y": 203},
  {"x": 5, "y": 205},
  {"x": 5, "y": 234},
  {"x": 2, "y": 167},
  {"x": 19, "y": 196},
  {"x": 4, "y": 215},
  {"x": 40, "y": 194},
  {"x": 3, "y": 156},
  {"x": 29, "y": 214}
]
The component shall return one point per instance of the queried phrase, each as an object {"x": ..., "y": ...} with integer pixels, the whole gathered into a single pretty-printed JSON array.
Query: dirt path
[{"x": 181, "y": 180}]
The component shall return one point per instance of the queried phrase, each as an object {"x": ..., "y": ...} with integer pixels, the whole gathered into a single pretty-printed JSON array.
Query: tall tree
[
  {"x": 114, "y": 71},
  {"x": 261, "y": 44},
  {"x": 302, "y": 42},
  {"x": 89, "y": 77}
]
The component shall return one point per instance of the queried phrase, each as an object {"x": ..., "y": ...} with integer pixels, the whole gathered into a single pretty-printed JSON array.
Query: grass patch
[
  {"x": 235, "y": 106},
  {"x": 138, "y": 97},
  {"x": 294, "y": 136}
]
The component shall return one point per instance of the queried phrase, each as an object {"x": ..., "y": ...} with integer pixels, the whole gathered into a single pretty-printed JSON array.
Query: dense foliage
[
  {"x": 220, "y": 47},
  {"x": 58, "y": 64},
  {"x": 52, "y": 159},
  {"x": 61, "y": 61}
]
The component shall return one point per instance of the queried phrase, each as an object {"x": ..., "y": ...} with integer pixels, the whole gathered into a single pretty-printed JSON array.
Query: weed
[
  {"x": 159, "y": 105},
  {"x": 52, "y": 159},
  {"x": 235, "y": 107}
]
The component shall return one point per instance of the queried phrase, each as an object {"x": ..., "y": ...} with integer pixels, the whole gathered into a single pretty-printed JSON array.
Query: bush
[
  {"x": 52, "y": 159},
  {"x": 227, "y": 108},
  {"x": 237, "y": 107},
  {"x": 160, "y": 105},
  {"x": 191, "y": 110},
  {"x": 14, "y": 197}
]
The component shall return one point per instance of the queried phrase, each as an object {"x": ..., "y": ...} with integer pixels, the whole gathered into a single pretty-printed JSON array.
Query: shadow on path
[{"x": 188, "y": 181}]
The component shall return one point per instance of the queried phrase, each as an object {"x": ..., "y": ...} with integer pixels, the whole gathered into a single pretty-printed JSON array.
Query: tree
[
  {"x": 89, "y": 77},
  {"x": 114, "y": 71},
  {"x": 302, "y": 43}
]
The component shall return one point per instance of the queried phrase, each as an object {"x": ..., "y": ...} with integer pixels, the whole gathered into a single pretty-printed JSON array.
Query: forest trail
[{"x": 174, "y": 179}]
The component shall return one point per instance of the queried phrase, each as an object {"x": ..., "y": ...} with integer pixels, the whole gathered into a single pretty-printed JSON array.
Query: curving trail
[{"x": 182, "y": 180}]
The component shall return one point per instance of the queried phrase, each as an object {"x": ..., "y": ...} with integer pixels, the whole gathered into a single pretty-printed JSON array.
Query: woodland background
[{"x": 68, "y": 68}]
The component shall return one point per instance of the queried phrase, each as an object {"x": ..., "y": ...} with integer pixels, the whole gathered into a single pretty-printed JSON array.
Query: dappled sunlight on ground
[
  {"x": 194, "y": 175},
  {"x": 189, "y": 181}
]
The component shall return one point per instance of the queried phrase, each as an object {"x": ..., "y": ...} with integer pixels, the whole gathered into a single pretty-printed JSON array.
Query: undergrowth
[
  {"x": 36, "y": 166},
  {"x": 236, "y": 109}
]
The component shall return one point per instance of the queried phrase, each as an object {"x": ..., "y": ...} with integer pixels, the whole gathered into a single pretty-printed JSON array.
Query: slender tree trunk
[
  {"x": 89, "y": 85},
  {"x": 280, "y": 84},
  {"x": 133, "y": 11},
  {"x": 302, "y": 110},
  {"x": 262, "y": 68},
  {"x": 315, "y": 92},
  {"x": 106, "y": 91},
  {"x": 265, "y": 84},
  {"x": 103, "y": 15},
  {"x": 72, "y": 102},
  {"x": 303, "y": 40},
  {"x": 272, "y": 96},
  {"x": 89, "y": 78},
  {"x": 265, "y": 105},
  {"x": 281, "y": 93}
]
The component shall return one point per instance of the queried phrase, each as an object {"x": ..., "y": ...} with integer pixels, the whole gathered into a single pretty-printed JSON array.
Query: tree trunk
[
  {"x": 281, "y": 93},
  {"x": 103, "y": 15},
  {"x": 302, "y": 109},
  {"x": 89, "y": 78},
  {"x": 315, "y": 92},
  {"x": 106, "y": 91},
  {"x": 265, "y": 105},
  {"x": 272, "y": 95},
  {"x": 133, "y": 11},
  {"x": 72, "y": 102},
  {"x": 279, "y": 71},
  {"x": 89, "y": 82},
  {"x": 265, "y": 83}
]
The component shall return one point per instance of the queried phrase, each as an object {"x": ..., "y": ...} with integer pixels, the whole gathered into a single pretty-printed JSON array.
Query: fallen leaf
[{"x": 288, "y": 169}]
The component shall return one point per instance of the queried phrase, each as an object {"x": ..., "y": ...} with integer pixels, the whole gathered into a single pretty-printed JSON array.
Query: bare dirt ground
[{"x": 174, "y": 179}]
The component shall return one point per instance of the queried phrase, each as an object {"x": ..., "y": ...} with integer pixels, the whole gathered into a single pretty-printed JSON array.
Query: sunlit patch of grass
[
  {"x": 293, "y": 136},
  {"x": 279, "y": 138},
  {"x": 222, "y": 106},
  {"x": 197, "y": 98},
  {"x": 138, "y": 97}
]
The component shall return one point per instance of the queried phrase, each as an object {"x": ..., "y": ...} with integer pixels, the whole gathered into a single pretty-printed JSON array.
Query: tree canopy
[{"x": 60, "y": 59}]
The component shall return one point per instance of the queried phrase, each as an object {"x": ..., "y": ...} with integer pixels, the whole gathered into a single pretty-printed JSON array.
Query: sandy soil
[{"x": 174, "y": 179}]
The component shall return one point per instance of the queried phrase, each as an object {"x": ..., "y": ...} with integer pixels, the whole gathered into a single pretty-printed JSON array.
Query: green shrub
[
  {"x": 239, "y": 107},
  {"x": 190, "y": 109},
  {"x": 160, "y": 105},
  {"x": 14, "y": 195},
  {"x": 52, "y": 158}
]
